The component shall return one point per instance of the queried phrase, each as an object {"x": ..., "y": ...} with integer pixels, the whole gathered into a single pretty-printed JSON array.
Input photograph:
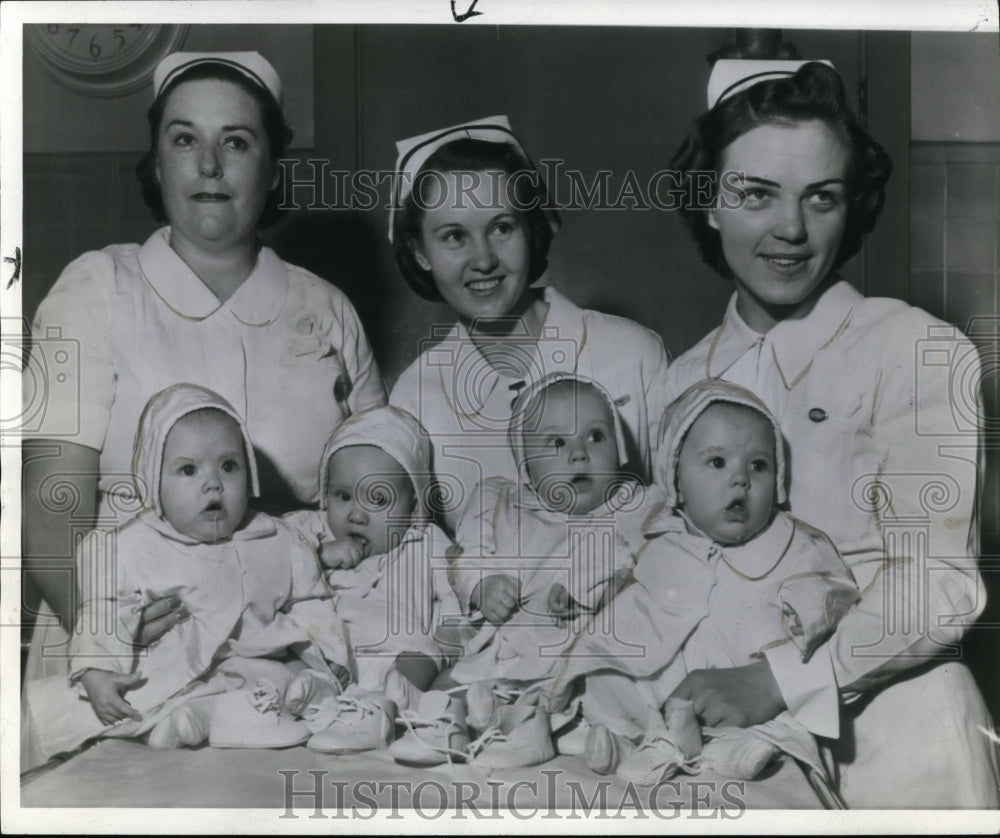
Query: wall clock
[{"x": 103, "y": 59}]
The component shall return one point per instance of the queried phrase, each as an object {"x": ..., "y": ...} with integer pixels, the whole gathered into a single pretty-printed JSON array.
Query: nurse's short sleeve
[
  {"x": 368, "y": 389},
  {"x": 68, "y": 383}
]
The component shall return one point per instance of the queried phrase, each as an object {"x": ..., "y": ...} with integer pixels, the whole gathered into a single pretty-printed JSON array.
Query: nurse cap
[
  {"x": 253, "y": 65},
  {"x": 732, "y": 75},
  {"x": 413, "y": 152}
]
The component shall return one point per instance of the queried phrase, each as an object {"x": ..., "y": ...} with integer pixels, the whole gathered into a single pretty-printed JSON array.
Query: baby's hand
[
  {"x": 560, "y": 602},
  {"x": 104, "y": 691},
  {"x": 496, "y": 597},
  {"x": 342, "y": 554}
]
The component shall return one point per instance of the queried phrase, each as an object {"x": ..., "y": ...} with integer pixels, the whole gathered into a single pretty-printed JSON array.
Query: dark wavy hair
[
  {"x": 815, "y": 92},
  {"x": 470, "y": 155},
  {"x": 279, "y": 135}
]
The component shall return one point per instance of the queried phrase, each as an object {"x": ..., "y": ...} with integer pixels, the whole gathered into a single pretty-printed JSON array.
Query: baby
[
  {"x": 726, "y": 579},
  {"x": 552, "y": 547},
  {"x": 535, "y": 557},
  {"x": 249, "y": 586},
  {"x": 380, "y": 553}
]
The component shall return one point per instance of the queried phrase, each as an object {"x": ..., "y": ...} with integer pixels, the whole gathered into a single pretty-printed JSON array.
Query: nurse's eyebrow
[
  {"x": 819, "y": 183},
  {"x": 188, "y": 124}
]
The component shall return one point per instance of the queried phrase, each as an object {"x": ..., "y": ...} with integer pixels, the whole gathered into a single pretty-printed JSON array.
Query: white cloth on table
[
  {"x": 465, "y": 403},
  {"x": 869, "y": 395},
  {"x": 391, "y": 603}
]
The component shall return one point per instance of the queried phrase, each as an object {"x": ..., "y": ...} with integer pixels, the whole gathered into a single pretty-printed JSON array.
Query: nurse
[
  {"x": 883, "y": 446},
  {"x": 470, "y": 227},
  {"x": 202, "y": 301}
]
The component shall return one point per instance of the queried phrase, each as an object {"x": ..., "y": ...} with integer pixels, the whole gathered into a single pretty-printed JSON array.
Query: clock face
[{"x": 104, "y": 59}]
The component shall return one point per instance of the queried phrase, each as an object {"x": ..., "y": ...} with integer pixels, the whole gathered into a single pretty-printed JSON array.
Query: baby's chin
[
  {"x": 733, "y": 533},
  {"x": 211, "y": 537},
  {"x": 211, "y": 532}
]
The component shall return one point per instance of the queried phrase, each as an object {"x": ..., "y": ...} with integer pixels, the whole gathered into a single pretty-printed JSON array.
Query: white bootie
[
  {"x": 254, "y": 718},
  {"x": 364, "y": 721},
  {"x": 518, "y": 736},
  {"x": 436, "y": 731}
]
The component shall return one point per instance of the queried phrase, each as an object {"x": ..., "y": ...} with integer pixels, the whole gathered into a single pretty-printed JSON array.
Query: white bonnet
[
  {"x": 528, "y": 405},
  {"x": 160, "y": 414},
  {"x": 681, "y": 414},
  {"x": 394, "y": 431}
]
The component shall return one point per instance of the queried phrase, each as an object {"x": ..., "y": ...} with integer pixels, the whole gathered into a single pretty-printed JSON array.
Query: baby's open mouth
[
  {"x": 737, "y": 510},
  {"x": 362, "y": 542},
  {"x": 214, "y": 506}
]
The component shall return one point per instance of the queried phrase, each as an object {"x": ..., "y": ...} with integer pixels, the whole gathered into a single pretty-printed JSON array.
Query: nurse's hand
[
  {"x": 739, "y": 696},
  {"x": 158, "y": 618},
  {"x": 496, "y": 597},
  {"x": 104, "y": 690}
]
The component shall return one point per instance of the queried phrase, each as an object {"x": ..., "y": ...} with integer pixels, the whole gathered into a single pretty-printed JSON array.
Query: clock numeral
[
  {"x": 95, "y": 48},
  {"x": 73, "y": 36},
  {"x": 52, "y": 28}
]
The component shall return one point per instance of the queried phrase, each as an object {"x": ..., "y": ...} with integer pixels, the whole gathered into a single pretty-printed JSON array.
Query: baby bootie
[
  {"x": 364, "y": 721},
  {"x": 186, "y": 727},
  {"x": 518, "y": 735},
  {"x": 310, "y": 694},
  {"x": 254, "y": 718},
  {"x": 738, "y": 753},
  {"x": 659, "y": 757},
  {"x": 484, "y": 700},
  {"x": 436, "y": 731},
  {"x": 604, "y": 750},
  {"x": 682, "y": 726}
]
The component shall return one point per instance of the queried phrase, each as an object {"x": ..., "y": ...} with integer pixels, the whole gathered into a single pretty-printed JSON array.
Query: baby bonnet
[
  {"x": 394, "y": 431},
  {"x": 160, "y": 414},
  {"x": 681, "y": 414},
  {"x": 528, "y": 405}
]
